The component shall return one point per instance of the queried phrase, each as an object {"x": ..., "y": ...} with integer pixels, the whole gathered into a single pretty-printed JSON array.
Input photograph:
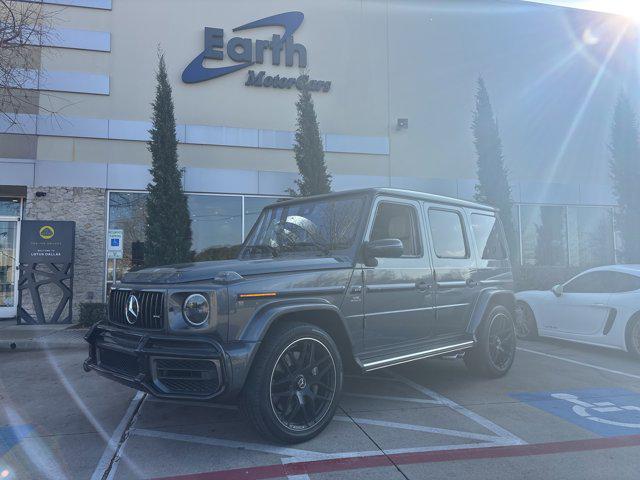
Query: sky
[{"x": 629, "y": 8}]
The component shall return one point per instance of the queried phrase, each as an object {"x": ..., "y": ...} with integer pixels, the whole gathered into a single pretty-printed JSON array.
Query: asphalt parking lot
[{"x": 564, "y": 411}]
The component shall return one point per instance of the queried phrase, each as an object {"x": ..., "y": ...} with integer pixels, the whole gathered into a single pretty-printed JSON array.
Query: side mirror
[
  {"x": 384, "y": 248},
  {"x": 557, "y": 290}
]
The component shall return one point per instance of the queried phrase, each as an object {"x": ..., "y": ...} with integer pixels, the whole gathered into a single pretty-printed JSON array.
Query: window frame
[
  {"x": 415, "y": 223},
  {"x": 465, "y": 236},
  {"x": 501, "y": 235}
]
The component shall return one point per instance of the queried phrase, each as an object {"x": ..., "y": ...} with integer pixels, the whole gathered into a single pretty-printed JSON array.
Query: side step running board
[{"x": 389, "y": 362}]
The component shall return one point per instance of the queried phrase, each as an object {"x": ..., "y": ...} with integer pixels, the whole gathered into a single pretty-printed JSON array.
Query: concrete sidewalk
[{"x": 40, "y": 337}]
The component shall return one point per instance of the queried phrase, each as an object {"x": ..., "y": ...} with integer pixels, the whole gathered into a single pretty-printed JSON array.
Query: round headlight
[{"x": 195, "y": 310}]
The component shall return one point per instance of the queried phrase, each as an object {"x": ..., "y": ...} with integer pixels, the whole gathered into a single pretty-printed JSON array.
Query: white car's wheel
[
  {"x": 633, "y": 337},
  {"x": 526, "y": 327}
]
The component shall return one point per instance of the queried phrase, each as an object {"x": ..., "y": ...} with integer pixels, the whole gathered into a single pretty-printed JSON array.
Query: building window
[
  {"x": 217, "y": 225},
  {"x": 590, "y": 236},
  {"x": 9, "y": 207},
  {"x": 543, "y": 235},
  {"x": 563, "y": 236}
]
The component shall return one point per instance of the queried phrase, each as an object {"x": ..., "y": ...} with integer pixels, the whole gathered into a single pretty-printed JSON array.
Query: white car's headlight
[{"x": 196, "y": 310}]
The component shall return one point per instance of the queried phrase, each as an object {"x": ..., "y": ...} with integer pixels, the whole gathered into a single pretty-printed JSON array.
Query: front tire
[
  {"x": 495, "y": 349},
  {"x": 633, "y": 337},
  {"x": 294, "y": 386}
]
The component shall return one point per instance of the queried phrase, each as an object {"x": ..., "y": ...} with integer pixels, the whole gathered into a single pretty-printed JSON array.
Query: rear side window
[
  {"x": 397, "y": 221},
  {"x": 489, "y": 237},
  {"x": 447, "y": 232},
  {"x": 623, "y": 282}
]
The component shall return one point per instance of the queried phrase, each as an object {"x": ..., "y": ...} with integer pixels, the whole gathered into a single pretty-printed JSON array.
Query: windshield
[{"x": 319, "y": 227}]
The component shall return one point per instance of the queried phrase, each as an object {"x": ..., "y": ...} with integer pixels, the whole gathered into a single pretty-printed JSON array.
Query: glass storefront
[
  {"x": 560, "y": 236},
  {"x": 219, "y": 224},
  {"x": 550, "y": 235},
  {"x": 10, "y": 210}
]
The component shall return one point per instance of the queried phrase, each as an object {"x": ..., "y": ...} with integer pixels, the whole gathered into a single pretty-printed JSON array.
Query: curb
[
  {"x": 21, "y": 345},
  {"x": 46, "y": 342}
]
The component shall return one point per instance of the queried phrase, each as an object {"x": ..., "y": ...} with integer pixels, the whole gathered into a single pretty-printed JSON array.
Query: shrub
[{"x": 92, "y": 312}]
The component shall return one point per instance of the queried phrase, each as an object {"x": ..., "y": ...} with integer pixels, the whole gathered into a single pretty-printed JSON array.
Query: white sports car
[{"x": 600, "y": 306}]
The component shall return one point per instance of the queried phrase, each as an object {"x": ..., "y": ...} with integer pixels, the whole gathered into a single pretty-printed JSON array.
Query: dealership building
[{"x": 394, "y": 85}]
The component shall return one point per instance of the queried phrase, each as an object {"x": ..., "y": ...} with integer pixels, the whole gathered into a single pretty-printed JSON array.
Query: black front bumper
[{"x": 164, "y": 366}]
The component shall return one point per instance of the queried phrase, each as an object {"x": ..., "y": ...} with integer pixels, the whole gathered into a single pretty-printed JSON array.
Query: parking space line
[
  {"x": 107, "y": 458},
  {"x": 219, "y": 406},
  {"x": 486, "y": 423},
  {"x": 258, "y": 447},
  {"x": 422, "y": 457},
  {"x": 418, "y": 428},
  {"x": 584, "y": 364},
  {"x": 394, "y": 399}
]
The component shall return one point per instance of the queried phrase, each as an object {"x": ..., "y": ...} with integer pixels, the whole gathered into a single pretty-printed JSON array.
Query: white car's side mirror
[{"x": 557, "y": 290}]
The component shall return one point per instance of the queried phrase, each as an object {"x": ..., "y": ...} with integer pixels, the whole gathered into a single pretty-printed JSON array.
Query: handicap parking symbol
[{"x": 605, "y": 411}]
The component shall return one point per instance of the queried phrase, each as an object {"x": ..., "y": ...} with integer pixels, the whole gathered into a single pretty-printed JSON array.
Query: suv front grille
[
  {"x": 150, "y": 309},
  {"x": 184, "y": 376}
]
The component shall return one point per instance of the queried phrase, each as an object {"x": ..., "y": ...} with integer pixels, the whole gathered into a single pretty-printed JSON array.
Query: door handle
[
  {"x": 423, "y": 286},
  {"x": 471, "y": 283}
]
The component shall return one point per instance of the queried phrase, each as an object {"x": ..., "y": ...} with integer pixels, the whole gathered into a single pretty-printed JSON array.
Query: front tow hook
[{"x": 85, "y": 366}]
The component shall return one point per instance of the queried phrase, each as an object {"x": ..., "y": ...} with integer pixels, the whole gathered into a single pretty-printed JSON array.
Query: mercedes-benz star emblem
[{"x": 132, "y": 310}]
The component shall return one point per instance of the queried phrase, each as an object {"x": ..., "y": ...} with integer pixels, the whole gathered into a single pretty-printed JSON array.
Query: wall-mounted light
[
  {"x": 41, "y": 194},
  {"x": 402, "y": 124}
]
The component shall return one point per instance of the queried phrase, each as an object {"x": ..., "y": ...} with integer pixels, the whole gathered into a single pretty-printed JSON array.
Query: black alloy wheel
[
  {"x": 502, "y": 341},
  {"x": 294, "y": 385},
  {"x": 495, "y": 348},
  {"x": 303, "y": 384},
  {"x": 633, "y": 338}
]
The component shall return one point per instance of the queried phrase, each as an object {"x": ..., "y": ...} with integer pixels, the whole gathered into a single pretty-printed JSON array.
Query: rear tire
[
  {"x": 293, "y": 389},
  {"x": 495, "y": 349},
  {"x": 526, "y": 327},
  {"x": 633, "y": 337}
]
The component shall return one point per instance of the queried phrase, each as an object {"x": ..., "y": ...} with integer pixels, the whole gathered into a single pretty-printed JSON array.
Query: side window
[
  {"x": 398, "y": 221},
  {"x": 623, "y": 282},
  {"x": 447, "y": 232},
  {"x": 592, "y": 282},
  {"x": 489, "y": 237}
]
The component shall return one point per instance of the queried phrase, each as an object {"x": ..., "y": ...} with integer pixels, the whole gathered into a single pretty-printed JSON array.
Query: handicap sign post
[
  {"x": 114, "y": 243},
  {"x": 607, "y": 412}
]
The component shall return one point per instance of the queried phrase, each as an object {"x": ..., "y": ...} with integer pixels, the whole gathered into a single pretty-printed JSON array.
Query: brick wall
[{"x": 86, "y": 207}]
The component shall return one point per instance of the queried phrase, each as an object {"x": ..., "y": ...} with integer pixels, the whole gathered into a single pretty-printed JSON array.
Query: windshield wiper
[{"x": 274, "y": 251}]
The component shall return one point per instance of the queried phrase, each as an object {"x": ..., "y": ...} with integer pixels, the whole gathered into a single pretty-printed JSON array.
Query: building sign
[
  {"x": 247, "y": 52},
  {"x": 114, "y": 243},
  {"x": 47, "y": 242}
]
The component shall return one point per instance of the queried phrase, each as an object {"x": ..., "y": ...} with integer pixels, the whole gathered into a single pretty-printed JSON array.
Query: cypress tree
[
  {"x": 625, "y": 175},
  {"x": 493, "y": 183},
  {"x": 168, "y": 227},
  {"x": 314, "y": 178}
]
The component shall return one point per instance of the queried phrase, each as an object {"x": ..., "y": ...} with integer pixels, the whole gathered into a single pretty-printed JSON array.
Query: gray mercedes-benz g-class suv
[{"x": 364, "y": 279}]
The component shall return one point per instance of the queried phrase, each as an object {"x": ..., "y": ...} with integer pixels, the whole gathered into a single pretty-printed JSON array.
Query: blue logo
[
  {"x": 115, "y": 242},
  {"x": 603, "y": 411},
  {"x": 246, "y": 51}
]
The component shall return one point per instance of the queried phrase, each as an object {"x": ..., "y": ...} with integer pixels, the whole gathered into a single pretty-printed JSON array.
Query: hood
[{"x": 202, "y": 271}]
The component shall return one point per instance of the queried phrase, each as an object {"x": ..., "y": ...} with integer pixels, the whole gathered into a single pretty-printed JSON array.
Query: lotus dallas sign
[{"x": 247, "y": 52}]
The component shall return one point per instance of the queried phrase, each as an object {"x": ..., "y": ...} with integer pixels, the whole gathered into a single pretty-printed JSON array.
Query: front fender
[
  {"x": 488, "y": 299},
  {"x": 263, "y": 318}
]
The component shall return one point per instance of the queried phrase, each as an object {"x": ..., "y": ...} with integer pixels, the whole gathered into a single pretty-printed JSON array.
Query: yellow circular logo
[{"x": 47, "y": 232}]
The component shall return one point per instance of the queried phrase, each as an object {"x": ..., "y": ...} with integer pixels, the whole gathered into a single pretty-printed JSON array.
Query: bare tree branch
[{"x": 24, "y": 28}]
